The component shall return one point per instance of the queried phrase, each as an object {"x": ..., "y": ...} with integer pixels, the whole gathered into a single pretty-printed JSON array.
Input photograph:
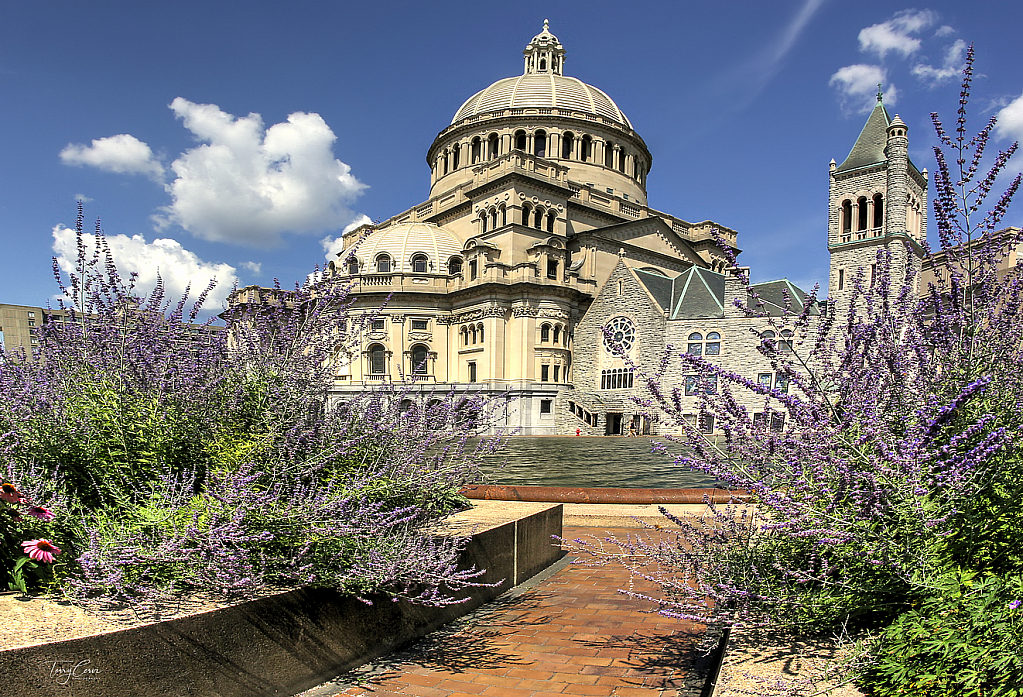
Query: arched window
[
  {"x": 420, "y": 263},
  {"x": 455, "y": 152},
  {"x": 557, "y": 333},
  {"x": 420, "y": 353},
  {"x": 621, "y": 160},
  {"x": 525, "y": 214},
  {"x": 545, "y": 333},
  {"x": 550, "y": 221},
  {"x": 768, "y": 338},
  {"x": 878, "y": 211},
  {"x": 479, "y": 332},
  {"x": 785, "y": 345},
  {"x": 713, "y": 344},
  {"x": 586, "y": 149},
  {"x": 455, "y": 265},
  {"x": 493, "y": 146},
  {"x": 567, "y": 141},
  {"x": 609, "y": 154},
  {"x": 540, "y": 143},
  {"x": 695, "y": 347},
  {"x": 493, "y": 218},
  {"x": 520, "y": 140},
  {"x": 353, "y": 265},
  {"x": 465, "y": 336},
  {"x": 861, "y": 214},
  {"x": 847, "y": 216},
  {"x": 483, "y": 221},
  {"x": 377, "y": 359},
  {"x": 504, "y": 215},
  {"x": 383, "y": 264},
  {"x": 538, "y": 219},
  {"x": 476, "y": 154},
  {"x": 445, "y": 158},
  {"x": 472, "y": 334}
]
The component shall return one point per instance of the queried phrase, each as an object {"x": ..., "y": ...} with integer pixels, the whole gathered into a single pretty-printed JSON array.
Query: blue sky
[{"x": 237, "y": 139}]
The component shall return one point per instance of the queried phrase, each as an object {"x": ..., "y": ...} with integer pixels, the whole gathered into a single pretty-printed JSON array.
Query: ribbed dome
[
  {"x": 543, "y": 91},
  {"x": 402, "y": 241}
]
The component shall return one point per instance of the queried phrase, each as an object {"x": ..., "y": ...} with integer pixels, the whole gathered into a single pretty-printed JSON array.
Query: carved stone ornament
[
  {"x": 445, "y": 319},
  {"x": 398, "y": 319},
  {"x": 470, "y": 316},
  {"x": 420, "y": 336},
  {"x": 524, "y": 311},
  {"x": 556, "y": 314}
]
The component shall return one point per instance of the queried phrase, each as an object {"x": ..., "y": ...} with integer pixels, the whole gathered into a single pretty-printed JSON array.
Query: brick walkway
[{"x": 570, "y": 634}]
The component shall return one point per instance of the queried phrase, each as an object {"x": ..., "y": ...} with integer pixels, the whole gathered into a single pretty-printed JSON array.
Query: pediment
[{"x": 652, "y": 235}]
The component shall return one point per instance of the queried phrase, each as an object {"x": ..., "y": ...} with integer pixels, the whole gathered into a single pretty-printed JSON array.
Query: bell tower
[
  {"x": 544, "y": 55},
  {"x": 878, "y": 201}
]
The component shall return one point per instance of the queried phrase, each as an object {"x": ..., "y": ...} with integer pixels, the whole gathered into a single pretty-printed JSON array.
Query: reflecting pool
[{"x": 588, "y": 461}]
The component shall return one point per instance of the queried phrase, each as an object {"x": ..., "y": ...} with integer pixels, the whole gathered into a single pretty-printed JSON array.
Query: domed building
[{"x": 535, "y": 246}]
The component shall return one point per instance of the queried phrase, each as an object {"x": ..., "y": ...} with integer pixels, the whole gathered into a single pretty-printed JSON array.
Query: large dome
[
  {"x": 402, "y": 241},
  {"x": 542, "y": 85},
  {"x": 543, "y": 91}
]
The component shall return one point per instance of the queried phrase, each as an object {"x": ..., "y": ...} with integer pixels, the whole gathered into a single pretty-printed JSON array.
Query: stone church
[{"x": 537, "y": 253}]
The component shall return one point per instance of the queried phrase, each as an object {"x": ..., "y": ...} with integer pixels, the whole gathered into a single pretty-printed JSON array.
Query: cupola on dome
[{"x": 543, "y": 86}]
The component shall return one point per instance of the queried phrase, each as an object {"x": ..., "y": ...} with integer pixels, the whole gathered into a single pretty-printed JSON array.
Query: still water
[{"x": 588, "y": 461}]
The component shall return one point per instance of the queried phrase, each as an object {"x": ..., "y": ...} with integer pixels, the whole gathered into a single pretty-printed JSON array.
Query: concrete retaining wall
[{"x": 283, "y": 644}]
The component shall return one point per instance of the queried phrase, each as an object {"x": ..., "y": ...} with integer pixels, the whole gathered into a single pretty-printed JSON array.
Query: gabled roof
[
  {"x": 699, "y": 293},
  {"x": 869, "y": 147},
  {"x": 777, "y": 295}
]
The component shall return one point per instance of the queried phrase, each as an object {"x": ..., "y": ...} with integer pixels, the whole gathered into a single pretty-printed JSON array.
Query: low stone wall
[{"x": 286, "y": 643}]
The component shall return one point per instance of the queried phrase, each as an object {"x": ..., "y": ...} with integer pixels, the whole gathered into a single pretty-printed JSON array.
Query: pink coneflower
[
  {"x": 10, "y": 493},
  {"x": 43, "y": 514},
  {"x": 41, "y": 550}
]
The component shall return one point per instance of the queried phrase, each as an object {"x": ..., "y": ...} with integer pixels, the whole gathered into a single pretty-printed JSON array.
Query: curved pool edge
[{"x": 600, "y": 495}]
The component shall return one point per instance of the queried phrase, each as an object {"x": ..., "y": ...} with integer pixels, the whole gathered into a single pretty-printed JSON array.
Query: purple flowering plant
[
  {"x": 182, "y": 457},
  {"x": 896, "y": 478}
]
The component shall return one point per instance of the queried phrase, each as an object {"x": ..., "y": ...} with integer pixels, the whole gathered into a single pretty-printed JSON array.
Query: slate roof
[
  {"x": 869, "y": 148},
  {"x": 700, "y": 293}
]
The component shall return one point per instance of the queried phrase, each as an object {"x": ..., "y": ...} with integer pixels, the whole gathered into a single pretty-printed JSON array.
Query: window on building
[
  {"x": 454, "y": 156},
  {"x": 420, "y": 325},
  {"x": 567, "y": 141},
  {"x": 520, "y": 140},
  {"x": 767, "y": 337},
  {"x": 616, "y": 379},
  {"x": 472, "y": 270},
  {"x": 377, "y": 356},
  {"x": 493, "y": 146},
  {"x": 420, "y": 263},
  {"x": 383, "y": 264},
  {"x": 785, "y": 345},
  {"x": 550, "y": 221},
  {"x": 713, "y": 344},
  {"x": 545, "y": 373},
  {"x": 557, "y": 333},
  {"x": 483, "y": 221},
  {"x": 777, "y": 422},
  {"x": 841, "y": 279},
  {"x": 878, "y": 211},
  {"x": 861, "y": 213},
  {"x": 706, "y": 422},
  {"x": 31, "y": 313},
  {"x": 378, "y": 324},
  {"x": 552, "y": 268},
  {"x": 420, "y": 354},
  {"x": 586, "y": 149},
  {"x": 538, "y": 218},
  {"x": 545, "y": 333},
  {"x": 472, "y": 371},
  {"x": 847, "y": 216},
  {"x": 465, "y": 336},
  {"x": 526, "y": 210},
  {"x": 695, "y": 346},
  {"x": 540, "y": 143},
  {"x": 873, "y": 275},
  {"x": 609, "y": 157},
  {"x": 545, "y": 406},
  {"x": 479, "y": 330},
  {"x": 557, "y": 369},
  {"x": 472, "y": 334},
  {"x": 353, "y": 266},
  {"x": 476, "y": 151},
  {"x": 764, "y": 379},
  {"x": 454, "y": 265},
  {"x": 781, "y": 383}
]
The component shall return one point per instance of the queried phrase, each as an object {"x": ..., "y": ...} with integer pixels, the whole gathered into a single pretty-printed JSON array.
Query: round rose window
[{"x": 619, "y": 335}]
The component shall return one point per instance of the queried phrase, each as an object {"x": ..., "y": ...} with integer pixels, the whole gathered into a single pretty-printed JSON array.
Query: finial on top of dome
[
  {"x": 879, "y": 92},
  {"x": 544, "y": 54}
]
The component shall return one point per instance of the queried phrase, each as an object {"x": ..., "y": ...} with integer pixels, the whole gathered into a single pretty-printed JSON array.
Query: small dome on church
[
  {"x": 542, "y": 86},
  {"x": 404, "y": 241}
]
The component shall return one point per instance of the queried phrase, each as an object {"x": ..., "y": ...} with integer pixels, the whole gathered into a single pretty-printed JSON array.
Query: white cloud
[
  {"x": 944, "y": 30},
  {"x": 857, "y": 85},
  {"x": 252, "y": 266},
  {"x": 123, "y": 154},
  {"x": 82, "y": 197},
  {"x": 177, "y": 266},
  {"x": 895, "y": 34},
  {"x": 249, "y": 184},
  {"x": 952, "y": 66},
  {"x": 333, "y": 245},
  {"x": 1010, "y": 120}
]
